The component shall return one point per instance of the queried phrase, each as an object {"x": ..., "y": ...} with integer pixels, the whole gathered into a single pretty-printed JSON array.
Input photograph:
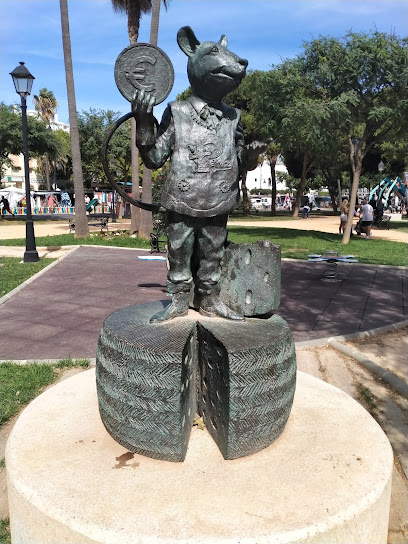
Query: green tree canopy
[
  {"x": 340, "y": 97},
  {"x": 40, "y": 139},
  {"x": 92, "y": 126},
  {"x": 367, "y": 74}
]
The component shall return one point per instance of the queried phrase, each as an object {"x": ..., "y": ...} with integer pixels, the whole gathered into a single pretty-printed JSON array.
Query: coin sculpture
[{"x": 144, "y": 67}]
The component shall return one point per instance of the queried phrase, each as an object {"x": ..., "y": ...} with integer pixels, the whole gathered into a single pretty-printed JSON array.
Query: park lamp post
[{"x": 23, "y": 81}]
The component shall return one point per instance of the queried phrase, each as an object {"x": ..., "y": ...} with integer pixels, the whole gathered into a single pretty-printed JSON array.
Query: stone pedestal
[
  {"x": 153, "y": 378},
  {"x": 326, "y": 479}
]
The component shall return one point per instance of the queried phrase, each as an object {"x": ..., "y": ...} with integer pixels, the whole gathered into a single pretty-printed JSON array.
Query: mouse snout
[{"x": 243, "y": 62}]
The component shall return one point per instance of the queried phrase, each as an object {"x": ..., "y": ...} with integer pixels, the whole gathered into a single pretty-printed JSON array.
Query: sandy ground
[
  {"x": 11, "y": 229},
  {"x": 322, "y": 224}
]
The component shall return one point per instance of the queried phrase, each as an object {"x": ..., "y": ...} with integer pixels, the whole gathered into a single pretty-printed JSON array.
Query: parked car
[{"x": 323, "y": 202}]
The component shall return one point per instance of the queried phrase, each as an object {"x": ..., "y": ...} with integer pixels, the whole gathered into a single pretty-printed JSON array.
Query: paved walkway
[
  {"x": 321, "y": 223},
  {"x": 60, "y": 313}
]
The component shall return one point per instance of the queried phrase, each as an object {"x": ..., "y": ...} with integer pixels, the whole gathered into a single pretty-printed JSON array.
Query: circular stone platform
[{"x": 327, "y": 479}]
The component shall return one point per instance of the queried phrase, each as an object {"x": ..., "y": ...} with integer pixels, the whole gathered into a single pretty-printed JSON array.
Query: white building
[
  {"x": 261, "y": 177},
  {"x": 14, "y": 175}
]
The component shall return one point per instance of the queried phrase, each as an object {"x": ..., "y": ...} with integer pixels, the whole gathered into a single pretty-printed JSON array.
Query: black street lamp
[{"x": 23, "y": 81}]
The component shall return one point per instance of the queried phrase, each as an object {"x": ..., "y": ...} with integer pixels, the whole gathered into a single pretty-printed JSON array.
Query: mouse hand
[{"x": 143, "y": 102}]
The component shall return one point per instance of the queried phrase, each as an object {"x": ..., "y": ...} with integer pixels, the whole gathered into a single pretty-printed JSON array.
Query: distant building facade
[
  {"x": 261, "y": 177},
  {"x": 14, "y": 175}
]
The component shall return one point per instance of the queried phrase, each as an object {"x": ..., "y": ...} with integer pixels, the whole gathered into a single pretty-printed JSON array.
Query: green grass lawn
[
  {"x": 14, "y": 272},
  {"x": 5, "y": 537},
  {"x": 96, "y": 239},
  {"x": 22, "y": 383},
  {"x": 297, "y": 244}
]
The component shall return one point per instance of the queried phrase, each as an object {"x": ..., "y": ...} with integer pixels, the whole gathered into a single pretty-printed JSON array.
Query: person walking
[
  {"x": 6, "y": 206},
  {"x": 344, "y": 210},
  {"x": 367, "y": 214}
]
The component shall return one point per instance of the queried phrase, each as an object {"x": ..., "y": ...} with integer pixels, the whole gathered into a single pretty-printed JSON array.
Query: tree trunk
[
  {"x": 332, "y": 193},
  {"x": 272, "y": 162},
  {"x": 146, "y": 220},
  {"x": 47, "y": 171},
  {"x": 54, "y": 173},
  {"x": 301, "y": 188},
  {"x": 81, "y": 222},
  {"x": 356, "y": 159},
  {"x": 135, "y": 211},
  {"x": 245, "y": 199},
  {"x": 154, "y": 26},
  {"x": 134, "y": 14}
]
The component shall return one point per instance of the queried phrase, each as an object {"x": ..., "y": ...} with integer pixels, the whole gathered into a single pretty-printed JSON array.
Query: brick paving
[{"x": 61, "y": 312}]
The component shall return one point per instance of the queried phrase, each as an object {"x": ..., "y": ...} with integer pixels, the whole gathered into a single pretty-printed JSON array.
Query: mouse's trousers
[{"x": 195, "y": 248}]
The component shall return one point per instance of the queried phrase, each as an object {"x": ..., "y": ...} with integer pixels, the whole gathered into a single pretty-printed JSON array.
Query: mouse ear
[
  {"x": 223, "y": 40},
  {"x": 187, "y": 41}
]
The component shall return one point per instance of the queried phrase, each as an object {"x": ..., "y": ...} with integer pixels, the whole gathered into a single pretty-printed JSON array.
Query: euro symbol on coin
[
  {"x": 144, "y": 66},
  {"x": 139, "y": 74}
]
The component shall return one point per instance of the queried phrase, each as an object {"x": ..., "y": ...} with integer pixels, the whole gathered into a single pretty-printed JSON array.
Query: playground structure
[
  {"x": 53, "y": 202},
  {"x": 93, "y": 204},
  {"x": 386, "y": 188}
]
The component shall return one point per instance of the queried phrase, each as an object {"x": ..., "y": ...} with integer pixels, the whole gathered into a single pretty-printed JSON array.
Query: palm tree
[
  {"x": 45, "y": 104},
  {"x": 141, "y": 220},
  {"x": 81, "y": 221},
  {"x": 146, "y": 220},
  {"x": 134, "y": 10},
  {"x": 154, "y": 25}
]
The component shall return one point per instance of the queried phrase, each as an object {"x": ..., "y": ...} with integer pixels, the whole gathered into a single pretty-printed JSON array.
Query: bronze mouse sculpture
[{"x": 203, "y": 139}]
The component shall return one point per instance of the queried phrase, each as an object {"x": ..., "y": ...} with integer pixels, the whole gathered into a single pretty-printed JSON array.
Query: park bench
[
  {"x": 92, "y": 222},
  {"x": 158, "y": 238}
]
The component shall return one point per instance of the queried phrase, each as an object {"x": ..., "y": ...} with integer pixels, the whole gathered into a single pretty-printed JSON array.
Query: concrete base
[{"x": 327, "y": 479}]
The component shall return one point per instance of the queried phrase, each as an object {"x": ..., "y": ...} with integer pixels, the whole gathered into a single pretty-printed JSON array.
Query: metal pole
[{"x": 31, "y": 254}]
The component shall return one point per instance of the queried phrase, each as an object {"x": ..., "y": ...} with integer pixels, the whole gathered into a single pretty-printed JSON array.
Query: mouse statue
[{"x": 203, "y": 139}]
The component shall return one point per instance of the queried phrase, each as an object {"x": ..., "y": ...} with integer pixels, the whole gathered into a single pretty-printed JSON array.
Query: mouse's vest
[{"x": 203, "y": 177}]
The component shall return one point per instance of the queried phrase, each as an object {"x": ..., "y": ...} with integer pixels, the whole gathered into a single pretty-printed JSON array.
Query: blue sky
[{"x": 263, "y": 31}]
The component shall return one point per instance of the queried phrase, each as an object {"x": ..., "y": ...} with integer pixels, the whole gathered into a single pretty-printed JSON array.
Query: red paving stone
[{"x": 61, "y": 312}]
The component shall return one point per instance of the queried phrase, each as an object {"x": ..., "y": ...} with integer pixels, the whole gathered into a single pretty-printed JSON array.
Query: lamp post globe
[
  {"x": 23, "y": 82},
  {"x": 22, "y": 79},
  {"x": 380, "y": 166}
]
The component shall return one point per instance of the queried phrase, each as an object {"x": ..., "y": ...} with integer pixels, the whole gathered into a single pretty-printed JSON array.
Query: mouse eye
[{"x": 214, "y": 49}]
